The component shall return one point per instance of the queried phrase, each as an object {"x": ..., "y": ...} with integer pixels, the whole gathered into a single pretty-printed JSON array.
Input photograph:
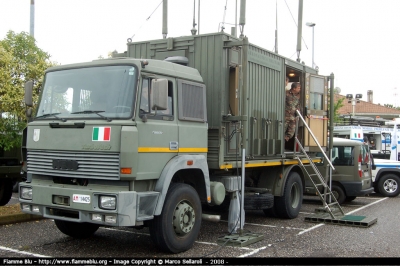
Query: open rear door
[{"x": 316, "y": 102}]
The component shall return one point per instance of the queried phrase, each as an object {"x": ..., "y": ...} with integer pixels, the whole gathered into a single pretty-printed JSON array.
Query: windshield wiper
[
  {"x": 52, "y": 114},
  {"x": 93, "y": 112}
]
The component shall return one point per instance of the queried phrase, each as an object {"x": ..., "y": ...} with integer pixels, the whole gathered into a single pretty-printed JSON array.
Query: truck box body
[{"x": 244, "y": 82}]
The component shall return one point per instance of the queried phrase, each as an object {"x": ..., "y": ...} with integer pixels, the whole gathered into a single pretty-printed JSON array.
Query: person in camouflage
[{"x": 292, "y": 104}]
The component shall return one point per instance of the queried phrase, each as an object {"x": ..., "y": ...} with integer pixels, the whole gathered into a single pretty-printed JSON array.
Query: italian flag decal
[{"x": 101, "y": 134}]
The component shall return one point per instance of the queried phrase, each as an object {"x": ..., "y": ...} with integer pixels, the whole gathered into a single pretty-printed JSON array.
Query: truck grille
[{"x": 90, "y": 164}]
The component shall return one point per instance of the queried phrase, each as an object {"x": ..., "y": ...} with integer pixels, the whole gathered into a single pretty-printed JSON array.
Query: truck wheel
[
  {"x": 255, "y": 201},
  {"x": 388, "y": 185},
  {"x": 288, "y": 206},
  {"x": 76, "y": 230},
  {"x": 178, "y": 226},
  {"x": 339, "y": 194},
  {"x": 5, "y": 191}
]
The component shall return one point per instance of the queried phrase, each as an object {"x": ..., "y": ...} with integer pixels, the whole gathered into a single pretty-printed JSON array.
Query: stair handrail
[{"x": 315, "y": 139}]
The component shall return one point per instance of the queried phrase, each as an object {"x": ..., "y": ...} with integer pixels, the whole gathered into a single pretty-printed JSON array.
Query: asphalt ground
[{"x": 294, "y": 238}]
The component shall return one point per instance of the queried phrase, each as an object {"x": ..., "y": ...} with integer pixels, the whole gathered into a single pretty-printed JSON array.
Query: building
[{"x": 365, "y": 112}]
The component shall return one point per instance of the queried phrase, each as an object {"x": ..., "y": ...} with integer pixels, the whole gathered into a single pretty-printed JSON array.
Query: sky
[{"x": 357, "y": 40}]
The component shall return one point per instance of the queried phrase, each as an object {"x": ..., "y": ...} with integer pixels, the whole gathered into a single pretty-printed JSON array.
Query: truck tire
[
  {"x": 76, "y": 230},
  {"x": 288, "y": 206},
  {"x": 339, "y": 193},
  {"x": 256, "y": 201},
  {"x": 177, "y": 227},
  {"x": 6, "y": 187},
  {"x": 388, "y": 185}
]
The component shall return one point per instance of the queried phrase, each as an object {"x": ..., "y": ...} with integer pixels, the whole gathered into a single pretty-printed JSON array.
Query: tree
[
  {"x": 336, "y": 106},
  {"x": 20, "y": 60}
]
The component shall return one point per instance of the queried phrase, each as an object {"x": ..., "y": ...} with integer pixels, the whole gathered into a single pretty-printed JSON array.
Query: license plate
[{"x": 81, "y": 198}]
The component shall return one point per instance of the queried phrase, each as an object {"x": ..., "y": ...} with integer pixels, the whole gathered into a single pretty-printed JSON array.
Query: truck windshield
[{"x": 91, "y": 92}]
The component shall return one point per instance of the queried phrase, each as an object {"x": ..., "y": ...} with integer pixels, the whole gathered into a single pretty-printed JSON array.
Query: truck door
[
  {"x": 316, "y": 102},
  {"x": 192, "y": 117},
  {"x": 157, "y": 132}
]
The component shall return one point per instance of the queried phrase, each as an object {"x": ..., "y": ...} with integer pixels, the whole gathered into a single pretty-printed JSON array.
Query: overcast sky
[{"x": 357, "y": 40}]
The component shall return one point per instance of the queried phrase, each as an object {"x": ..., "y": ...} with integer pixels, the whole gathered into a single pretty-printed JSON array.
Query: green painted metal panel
[
  {"x": 262, "y": 93},
  {"x": 266, "y": 101}
]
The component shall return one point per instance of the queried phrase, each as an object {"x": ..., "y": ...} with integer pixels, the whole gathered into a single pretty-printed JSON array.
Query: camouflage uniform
[{"x": 292, "y": 104}]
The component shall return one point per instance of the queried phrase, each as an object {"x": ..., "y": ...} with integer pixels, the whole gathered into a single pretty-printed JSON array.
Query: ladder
[{"x": 333, "y": 207}]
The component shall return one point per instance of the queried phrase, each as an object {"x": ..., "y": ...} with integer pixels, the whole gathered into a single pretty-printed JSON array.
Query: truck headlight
[
  {"x": 108, "y": 202},
  {"x": 26, "y": 193}
]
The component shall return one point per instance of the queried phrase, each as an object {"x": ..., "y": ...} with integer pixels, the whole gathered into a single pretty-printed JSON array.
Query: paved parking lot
[{"x": 281, "y": 238}]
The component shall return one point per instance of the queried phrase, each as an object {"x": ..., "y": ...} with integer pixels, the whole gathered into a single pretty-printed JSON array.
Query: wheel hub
[
  {"x": 295, "y": 195},
  {"x": 184, "y": 218},
  {"x": 390, "y": 185}
]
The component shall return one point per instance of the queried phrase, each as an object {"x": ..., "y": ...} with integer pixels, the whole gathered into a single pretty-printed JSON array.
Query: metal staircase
[{"x": 329, "y": 202}]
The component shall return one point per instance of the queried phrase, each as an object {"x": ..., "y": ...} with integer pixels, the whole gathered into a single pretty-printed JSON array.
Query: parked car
[
  {"x": 381, "y": 154},
  {"x": 386, "y": 177},
  {"x": 352, "y": 176}
]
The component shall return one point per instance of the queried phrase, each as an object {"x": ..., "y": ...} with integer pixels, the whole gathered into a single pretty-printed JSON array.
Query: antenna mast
[
  {"x": 276, "y": 27},
  {"x": 242, "y": 19},
  {"x": 32, "y": 19},
  {"x": 299, "y": 29},
  {"x": 165, "y": 19},
  {"x": 194, "y": 17},
  {"x": 198, "y": 17}
]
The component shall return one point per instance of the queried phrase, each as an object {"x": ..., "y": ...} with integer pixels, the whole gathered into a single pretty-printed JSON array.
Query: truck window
[
  {"x": 81, "y": 93},
  {"x": 316, "y": 93},
  {"x": 145, "y": 105},
  {"x": 192, "y": 101}
]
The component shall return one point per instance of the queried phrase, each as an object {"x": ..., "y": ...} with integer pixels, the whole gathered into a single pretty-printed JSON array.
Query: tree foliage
[
  {"x": 336, "y": 106},
  {"x": 20, "y": 60}
]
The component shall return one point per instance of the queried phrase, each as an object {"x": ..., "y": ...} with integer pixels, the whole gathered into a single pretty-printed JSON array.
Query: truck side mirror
[
  {"x": 28, "y": 93},
  {"x": 159, "y": 94}
]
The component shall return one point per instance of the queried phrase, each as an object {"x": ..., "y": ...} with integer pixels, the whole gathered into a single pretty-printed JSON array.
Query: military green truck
[
  {"x": 10, "y": 173},
  {"x": 175, "y": 115}
]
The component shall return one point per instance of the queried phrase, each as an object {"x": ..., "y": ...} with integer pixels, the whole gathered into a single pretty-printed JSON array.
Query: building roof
[{"x": 368, "y": 109}]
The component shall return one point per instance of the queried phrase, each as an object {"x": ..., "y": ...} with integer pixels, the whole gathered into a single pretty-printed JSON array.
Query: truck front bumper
[{"x": 60, "y": 203}]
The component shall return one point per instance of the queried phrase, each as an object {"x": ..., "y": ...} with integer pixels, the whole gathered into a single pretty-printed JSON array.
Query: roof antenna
[
  {"x": 242, "y": 19},
  {"x": 276, "y": 27},
  {"x": 299, "y": 29},
  {"x": 198, "y": 17},
  {"x": 193, "y": 31},
  {"x": 223, "y": 20},
  {"x": 32, "y": 19},
  {"x": 165, "y": 19}
]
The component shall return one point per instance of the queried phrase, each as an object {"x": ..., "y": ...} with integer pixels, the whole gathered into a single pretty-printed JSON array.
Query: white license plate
[{"x": 81, "y": 198}]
